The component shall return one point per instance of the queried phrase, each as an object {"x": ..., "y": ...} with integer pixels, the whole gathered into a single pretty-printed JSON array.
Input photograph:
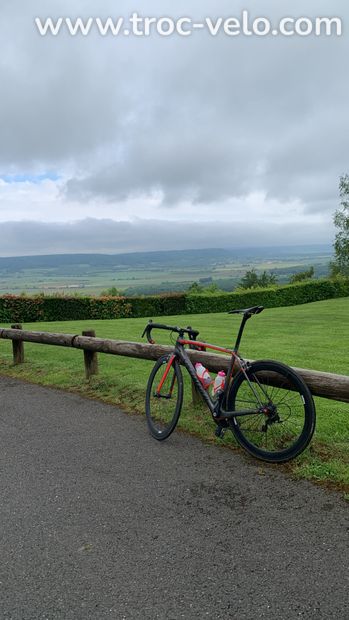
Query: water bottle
[
  {"x": 218, "y": 385},
  {"x": 203, "y": 375}
]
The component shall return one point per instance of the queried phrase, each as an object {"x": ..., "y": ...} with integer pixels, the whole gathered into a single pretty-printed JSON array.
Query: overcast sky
[{"x": 155, "y": 143}]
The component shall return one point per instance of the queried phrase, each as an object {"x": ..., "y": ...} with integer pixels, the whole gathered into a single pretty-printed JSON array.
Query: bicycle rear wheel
[
  {"x": 284, "y": 422},
  {"x": 164, "y": 398}
]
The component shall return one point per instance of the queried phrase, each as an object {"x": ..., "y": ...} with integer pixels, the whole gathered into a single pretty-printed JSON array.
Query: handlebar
[{"x": 192, "y": 333}]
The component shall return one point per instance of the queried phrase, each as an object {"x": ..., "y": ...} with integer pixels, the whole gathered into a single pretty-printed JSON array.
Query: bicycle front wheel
[
  {"x": 284, "y": 422},
  {"x": 164, "y": 398}
]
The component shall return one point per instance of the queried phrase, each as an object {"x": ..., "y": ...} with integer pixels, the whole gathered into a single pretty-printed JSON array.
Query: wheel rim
[
  {"x": 280, "y": 422},
  {"x": 163, "y": 399}
]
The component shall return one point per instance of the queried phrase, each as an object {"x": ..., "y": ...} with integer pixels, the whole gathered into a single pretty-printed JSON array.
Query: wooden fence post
[
  {"x": 90, "y": 357},
  {"x": 17, "y": 347}
]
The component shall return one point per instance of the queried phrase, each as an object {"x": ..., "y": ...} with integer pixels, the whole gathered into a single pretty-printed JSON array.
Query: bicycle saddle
[{"x": 248, "y": 311}]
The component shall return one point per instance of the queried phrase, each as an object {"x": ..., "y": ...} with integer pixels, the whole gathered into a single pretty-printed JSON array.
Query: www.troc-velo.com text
[{"x": 137, "y": 25}]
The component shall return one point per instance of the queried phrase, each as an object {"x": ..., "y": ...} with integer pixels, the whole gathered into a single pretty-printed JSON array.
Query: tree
[
  {"x": 302, "y": 275},
  {"x": 111, "y": 292},
  {"x": 195, "y": 288},
  {"x": 252, "y": 280},
  {"x": 249, "y": 280},
  {"x": 267, "y": 279},
  {"x": 212, "y": 289},
  {"x": 340, "y": 265}
]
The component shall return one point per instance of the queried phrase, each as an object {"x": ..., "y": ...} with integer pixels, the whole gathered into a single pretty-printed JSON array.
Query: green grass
[{"x": 309, "y": 336}]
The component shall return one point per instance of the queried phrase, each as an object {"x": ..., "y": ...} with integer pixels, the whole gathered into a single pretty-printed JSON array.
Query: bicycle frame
[
  {"x": 215, "y": 406},
  {"x": 218, "y": 413}
]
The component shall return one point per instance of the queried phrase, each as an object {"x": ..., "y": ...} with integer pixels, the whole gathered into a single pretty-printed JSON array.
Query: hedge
[
  {"x": 288, "y": 295},
  {"x": 160, "y": 305},
  {"x": 58, "y": 308},
  {"x": 42, "y": 308}
]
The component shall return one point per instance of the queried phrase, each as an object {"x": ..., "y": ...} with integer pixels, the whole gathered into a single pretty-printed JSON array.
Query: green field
[
  {"x": 152, "y": 273},
  {"x": 309, "y": 336},
  {"x": 147, "y": 280}
]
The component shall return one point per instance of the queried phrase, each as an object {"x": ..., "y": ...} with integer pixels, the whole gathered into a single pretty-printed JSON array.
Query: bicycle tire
[
  {"x": 251, "y": 432},
  {"x": 162, "y": 411}
]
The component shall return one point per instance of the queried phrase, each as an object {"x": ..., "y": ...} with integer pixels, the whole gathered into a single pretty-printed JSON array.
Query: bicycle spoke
[
  {"x": 282, "y": 412},
  {"x": 285, "y": 395},
  {"x": 253, "y": 424}
]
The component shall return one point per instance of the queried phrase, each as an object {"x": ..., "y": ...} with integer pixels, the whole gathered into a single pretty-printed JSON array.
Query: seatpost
[{"x": 241, "y": 330}]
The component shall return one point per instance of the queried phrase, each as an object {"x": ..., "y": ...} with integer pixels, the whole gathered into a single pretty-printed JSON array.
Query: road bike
[{"x": 265, "y": 403}]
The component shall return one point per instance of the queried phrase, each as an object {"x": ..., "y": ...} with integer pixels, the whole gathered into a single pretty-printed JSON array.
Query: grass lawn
[{"x": 310, "y": 336}]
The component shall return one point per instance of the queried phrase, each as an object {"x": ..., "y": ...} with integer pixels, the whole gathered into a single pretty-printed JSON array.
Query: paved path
[{"x": 100, "y": 521}]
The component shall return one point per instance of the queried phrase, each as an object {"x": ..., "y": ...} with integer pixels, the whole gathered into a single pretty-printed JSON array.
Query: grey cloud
[
  {"x": 200, "y": 120},
  {"x": 110, "y": 236}
]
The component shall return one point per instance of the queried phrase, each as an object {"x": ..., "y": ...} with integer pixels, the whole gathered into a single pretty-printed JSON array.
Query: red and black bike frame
[
  {"x": 181, "y": 353},
  {"x": 217, "y": 408}
]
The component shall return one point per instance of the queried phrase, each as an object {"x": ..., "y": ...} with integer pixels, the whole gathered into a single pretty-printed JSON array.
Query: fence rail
[{"x": 324, "y": 384}]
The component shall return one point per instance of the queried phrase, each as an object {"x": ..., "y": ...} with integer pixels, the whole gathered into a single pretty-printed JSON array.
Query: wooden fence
[{"x": 326, "y": 385}]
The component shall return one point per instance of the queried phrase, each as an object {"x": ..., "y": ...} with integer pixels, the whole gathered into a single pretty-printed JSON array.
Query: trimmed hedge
[
  {"x": 288, "y": 295},
  {"x": 160, "y": 305},
  {"x": 41, "y": 308}
]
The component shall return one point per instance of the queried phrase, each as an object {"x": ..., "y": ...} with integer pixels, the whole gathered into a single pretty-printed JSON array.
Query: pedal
[{"x": 220, "y": 431}]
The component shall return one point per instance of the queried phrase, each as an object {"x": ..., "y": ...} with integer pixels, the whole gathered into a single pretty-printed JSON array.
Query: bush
[
  {"x": 20, "y": 309},
  {"x": 301, "y": 276},
  {"x": 157, "y": 305},
  {"x": 59, "y": 308},
  {"x": 252, "y": 280},
  {"x": 289, "y": 295}
]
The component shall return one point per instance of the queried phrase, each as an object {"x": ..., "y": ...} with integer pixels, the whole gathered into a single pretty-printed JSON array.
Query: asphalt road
[{"x": 98, "y": 520}]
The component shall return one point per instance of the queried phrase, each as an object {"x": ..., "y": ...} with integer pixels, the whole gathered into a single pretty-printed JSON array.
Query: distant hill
[
  {"x": 141, "y": 260},
  {"x": 146, "y": 273}
]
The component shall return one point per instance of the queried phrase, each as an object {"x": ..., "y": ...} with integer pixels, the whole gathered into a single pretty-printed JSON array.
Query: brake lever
[
  {"x": 147, "y": 333},
  {"x": 147, "y": 329}
]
